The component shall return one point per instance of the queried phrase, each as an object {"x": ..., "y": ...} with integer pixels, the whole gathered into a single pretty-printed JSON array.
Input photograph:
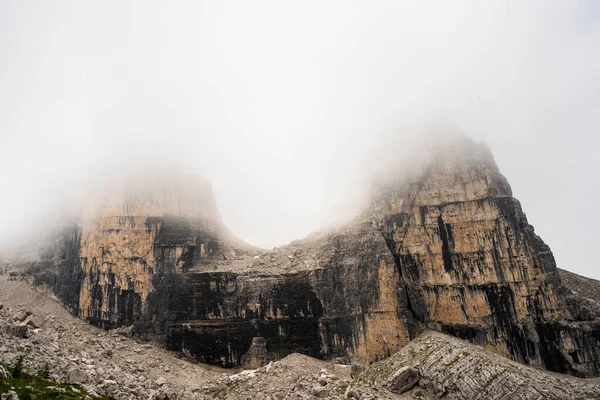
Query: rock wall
[
  {"x": 444, "y": 246},
  {"x": 132, "y": 232},
  {"x": 477, "y": 269},
  {"x": 347, "y": 307}
]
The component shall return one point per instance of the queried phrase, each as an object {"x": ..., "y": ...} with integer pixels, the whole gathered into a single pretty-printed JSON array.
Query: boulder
[
  {"x": 78, "y": 376},
  {"x": 161, "y": 396},
  {"x": 10, "y": 395},
  {"x": 4, "y": 373},
  {"x": 20, "y": 316},
  {"x": 356, "y": 369},
  {"x": 35, "y": 321},
  {"x": 109, "y": 387},
  {"x": 126, "y": 331},
  {"x": 351, "y": 393},
  {"x": 403, "y": 380},
  {"x": 320, "y": 392},
  {"x": 20, "y": 331}
]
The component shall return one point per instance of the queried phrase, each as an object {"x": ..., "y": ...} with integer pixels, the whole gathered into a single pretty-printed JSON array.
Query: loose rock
[
  {"x": 78, "y": 376},
  {"x": 403, "y": 380},
  {"x": 36, "y": 321},
  {"x": 9, "y": 396}
]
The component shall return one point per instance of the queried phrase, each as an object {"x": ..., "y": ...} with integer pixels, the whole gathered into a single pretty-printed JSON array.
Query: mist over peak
[{"x": 287, "y": 111}]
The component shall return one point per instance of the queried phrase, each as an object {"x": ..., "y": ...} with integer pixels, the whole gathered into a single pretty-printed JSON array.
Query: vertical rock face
[
  {"x": 127, "y": 235},
  {"x": 475, "y": 267},
  {"x": 445, "y": 246}
]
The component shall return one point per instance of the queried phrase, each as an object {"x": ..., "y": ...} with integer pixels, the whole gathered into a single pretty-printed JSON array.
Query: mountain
[{"x": 443, "y": 245}]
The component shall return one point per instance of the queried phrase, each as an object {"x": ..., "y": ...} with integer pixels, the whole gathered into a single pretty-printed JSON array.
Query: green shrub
[
  {"x": 44, "y": 372},
  {"x": 17, "y": 369}
]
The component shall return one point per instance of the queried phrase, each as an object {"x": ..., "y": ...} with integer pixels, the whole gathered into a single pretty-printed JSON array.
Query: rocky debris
[
  {"x": 357, "y": 369},
  {"x": 35, "y": 321},
  {"x": 403, "y": 380},
  {"x": 9, "y": 396},
  {"x": 351, "y": 393},
  {"x": 4, "y": 373},
  {"x": 78, "y": 376},
  {"x": 320, "y": 392},
  {"x": 21, "y": 324},
  {"x": 21, "y": 316},
  {"x": 256, "y": 356},
  {"x": 583, "y": 295},
  {"x": 126, "y": 331},
  {"x": 104, "y": 363},
  {"x": 16, "y": 330},
  {"x": 294, "y": 377},
  {"x": 449, "y": 368},
  {"x": 454, "y": 369},
  {"x": 108, "y": 387}
]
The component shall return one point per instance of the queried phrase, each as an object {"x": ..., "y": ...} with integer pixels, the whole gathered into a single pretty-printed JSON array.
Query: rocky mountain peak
[{"x": 442, "y": 246}]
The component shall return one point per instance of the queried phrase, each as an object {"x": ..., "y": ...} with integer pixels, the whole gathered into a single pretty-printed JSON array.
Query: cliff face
[
  {"x": 133, "y": 233},
  {"x": 445, "y": 247},
  {"x": 475, "y": 267},
  {"x": 341, "y": 300}
]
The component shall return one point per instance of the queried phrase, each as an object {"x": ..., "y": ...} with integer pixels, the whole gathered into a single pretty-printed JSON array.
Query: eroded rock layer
[
  {"x": 445, "y": 246},
  {"x": 476, "y": 268}
]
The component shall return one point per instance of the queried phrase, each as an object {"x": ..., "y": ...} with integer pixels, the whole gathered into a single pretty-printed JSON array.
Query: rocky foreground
[{"x": 110, "y": 363}]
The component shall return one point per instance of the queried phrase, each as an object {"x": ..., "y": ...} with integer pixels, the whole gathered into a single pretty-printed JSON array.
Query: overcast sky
[{"x": 281, "y": 104}]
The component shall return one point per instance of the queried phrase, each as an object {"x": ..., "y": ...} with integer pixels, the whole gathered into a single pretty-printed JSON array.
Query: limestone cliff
[
  {"x": 445, "y": 246},
  {"x": 475, "y": 267}
]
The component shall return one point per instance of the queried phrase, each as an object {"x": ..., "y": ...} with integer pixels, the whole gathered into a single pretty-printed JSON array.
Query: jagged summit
[{"x": 442, "y": 245}]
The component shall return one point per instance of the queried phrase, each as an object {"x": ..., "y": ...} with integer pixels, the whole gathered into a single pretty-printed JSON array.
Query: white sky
[{"x": 281, "y": 104}]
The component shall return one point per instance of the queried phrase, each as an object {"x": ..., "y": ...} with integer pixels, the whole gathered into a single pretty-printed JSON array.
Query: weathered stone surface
[
  {"x": 474, "y": 267},
  {"x": 16, "y": 330},
  {"x": 10, "y": 395},
  {"x": 453, "y": 369},
  {"x": 4, "y": 373},
  {"x": 256, "y": 356},
  {"x": 20, "y": 316},
  {"x": 403, "y": 380},
  {"x": 445, "y": 246},
  {"x": 78, "y": 376},
  {"x": 320, "y": 392},
  {"x": 356, "y": 369},
  {"x": 583, "y": 295},
  {"x": 35, "y": 321}
]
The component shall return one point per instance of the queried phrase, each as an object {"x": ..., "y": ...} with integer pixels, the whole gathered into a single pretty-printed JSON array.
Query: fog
[{"x": 284, "y": 106}]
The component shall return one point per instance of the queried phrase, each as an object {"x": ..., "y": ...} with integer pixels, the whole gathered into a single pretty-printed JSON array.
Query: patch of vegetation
[
  {"x": 17, "y": 370},
  {"x": 44, "y": 372},
  {"x": 39, "y": 387},
  {"x": 33, "y": 388}
]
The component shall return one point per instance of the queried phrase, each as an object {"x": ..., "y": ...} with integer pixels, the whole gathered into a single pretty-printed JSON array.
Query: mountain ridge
[{"x": 443, "y": 245}]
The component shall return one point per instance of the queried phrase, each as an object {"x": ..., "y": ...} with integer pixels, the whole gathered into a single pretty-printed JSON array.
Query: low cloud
[{"x": 288, "y": 108}]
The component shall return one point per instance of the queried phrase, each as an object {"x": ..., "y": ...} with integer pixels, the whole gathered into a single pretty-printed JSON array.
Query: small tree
[
  {"x": 17, "y": 369},
  {"x": 44, "y": 372}
]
